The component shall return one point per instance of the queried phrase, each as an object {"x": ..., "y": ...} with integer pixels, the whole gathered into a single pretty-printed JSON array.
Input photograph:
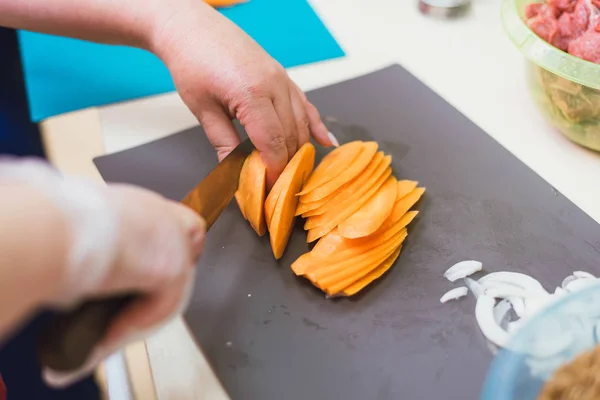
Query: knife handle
[{"x": 66, "y": 343}]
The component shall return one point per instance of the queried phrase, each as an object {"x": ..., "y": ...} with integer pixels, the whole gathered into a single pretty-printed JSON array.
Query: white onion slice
[
  {"x": 484, "y": 314},
  {"x": 462, "y": 270},
  {"x": 454, "y": 294},
  {"x": 518, "y": 305},
  {"x": 578, "y": 284},
  {"x": 505, "y": 291},
  {"x": 583, "y": 275},
  {"x": 474, "y": 287},
  {"x": 568, "y": 280},
  {"x": 501, "y": 310},
  {"x": 514, "y": 278},
  {"x": 560, "y": 291}
]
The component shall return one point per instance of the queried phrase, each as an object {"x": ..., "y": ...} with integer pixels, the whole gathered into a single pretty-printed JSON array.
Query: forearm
[
  {"x": 34, "y": 242},
  {"x": 126, "y": 22}
]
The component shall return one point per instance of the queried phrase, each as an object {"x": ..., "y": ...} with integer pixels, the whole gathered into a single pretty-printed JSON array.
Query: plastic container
[
  {"x": 566, "y": 88},
  {"x": 551, "y": 338}
]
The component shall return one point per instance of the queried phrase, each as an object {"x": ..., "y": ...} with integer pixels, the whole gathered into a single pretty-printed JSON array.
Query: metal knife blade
[
  {"x": 66, "y": 343},
  {"x": 211, "y": 196}
]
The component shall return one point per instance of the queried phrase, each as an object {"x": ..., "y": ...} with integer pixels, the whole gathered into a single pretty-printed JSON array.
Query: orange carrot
[
  {"x": 251, "y": 192},
  {"x": 332, "y": 165},
  {"x": 333, "y": 217},
  {"x": 373, "y": 275},
  {"x": 293, "y": 178},
  {"x": 371, "y": 215},
  {"x": 350, "y": 172},
  {"x": 361, "y": 184}
]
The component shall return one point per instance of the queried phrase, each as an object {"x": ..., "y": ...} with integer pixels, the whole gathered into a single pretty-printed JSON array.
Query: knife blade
[{"x": 67, "y": 341}]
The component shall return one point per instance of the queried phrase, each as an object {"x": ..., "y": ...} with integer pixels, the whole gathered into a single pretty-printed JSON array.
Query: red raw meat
[
  {"x": 587, "y": 46},
  {"x": 570, "y": 25}
]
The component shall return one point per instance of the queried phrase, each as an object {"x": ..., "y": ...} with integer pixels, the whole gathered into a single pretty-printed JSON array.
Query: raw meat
[{"x": 570, "y": 25}]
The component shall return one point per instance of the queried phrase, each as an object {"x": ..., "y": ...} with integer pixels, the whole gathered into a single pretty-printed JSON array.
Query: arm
[
  {"x": 124, "y": 22},
  {"x": 220, "y": 72},
  {"x": 34, "y": 238}
]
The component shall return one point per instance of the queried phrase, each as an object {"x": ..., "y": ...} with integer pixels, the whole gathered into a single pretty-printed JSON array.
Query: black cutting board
[{"x": 271, "y": 336}]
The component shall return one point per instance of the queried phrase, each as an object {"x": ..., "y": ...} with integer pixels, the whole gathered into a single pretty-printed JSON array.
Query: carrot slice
[
  {"x": 334, "y": 248},
  {"x": 348, "y": 206},
  {"x": 338, "y": 286},
  {"x": 361, "y": 184},
  {"x": 371, "y": 215},
  {"x": 293, "y": 178},
  {"x": 270, "y": 204},
  {"x": 313, "y": 205},
  {"x": 350, "y": 172},
  {"x": 251, "y": 192},
  {"x": 405, "y": 187},
  {"x": 409, "y": 200},
  {"x": 354, "y": 268},
  {"x": 373, "y": 275},
  {"x": 333, "y": 242},
  {"x": 240, "y": 202},
  {"x": 332, "y": 165}
]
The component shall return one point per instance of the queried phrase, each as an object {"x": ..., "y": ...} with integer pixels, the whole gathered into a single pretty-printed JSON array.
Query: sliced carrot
[
  {"x": 337, "y": 248},
  {"x": 339, "y": 262},
  {"x": 409, "y": 200},
  {"x": 333, "y": 242},
  {"x": 371, "y": 215},
  {"x": 251, "y": 192},
  {"x": 293, "y": 178},
  {"x": 316, "y": 233},
  {"x": 373, "y": 275},
  {"x": 349, "y": 205},
  {"x": 392, "y": 220},
  {"x": 405, "y": 187},
  {"x": 338, "y": 286},
  {"x": 361, "y": 184},
  {"x": 354, "y": 268},
  {"x": 332, "y": 165},
  {"x": 350, "y": 172},
  {"x": 313, "y": 205}
]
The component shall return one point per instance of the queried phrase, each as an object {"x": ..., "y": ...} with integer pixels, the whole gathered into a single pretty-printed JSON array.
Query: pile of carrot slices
[{"x": 353, "y": 206}]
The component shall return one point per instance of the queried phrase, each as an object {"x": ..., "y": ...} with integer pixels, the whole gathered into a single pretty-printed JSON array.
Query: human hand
[
  {"x": 121, "y": 239},
  {"x": 221, "y": 73}
]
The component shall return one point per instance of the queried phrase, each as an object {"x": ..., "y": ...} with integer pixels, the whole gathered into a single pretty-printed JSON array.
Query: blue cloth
[
  {"x": 18, "y": 135},
  {"x": 64, "y": 75},
  {"x": 22, "y": 374}
]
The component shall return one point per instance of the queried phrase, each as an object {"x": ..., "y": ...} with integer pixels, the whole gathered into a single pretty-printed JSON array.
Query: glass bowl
[
  {"x": 556, "y": 335},
  {"x": 565, "y": 88}
]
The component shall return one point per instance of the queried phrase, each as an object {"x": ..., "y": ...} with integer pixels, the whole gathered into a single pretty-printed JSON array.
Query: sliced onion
[
  {"x": 505, "y": 291},
  {"x": 578, "y": 284},
  {"x": 518, "y": 305},
  {"x": 462, "y": 270},
  {"x": 568, "y": 280},
  {"x": 514, "y": 278},
  {"x": 583, "y": 275},
  {"x": 474, "y": 287},
  {"x": 454, "y": 294},
  {"x": 484, "y": 314},
  {"x": 560, "y": 291},
  {"x": 501, "y": 310}
]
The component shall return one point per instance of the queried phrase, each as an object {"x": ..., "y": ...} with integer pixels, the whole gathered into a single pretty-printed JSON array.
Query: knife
[{"x": 67, "y": 341}]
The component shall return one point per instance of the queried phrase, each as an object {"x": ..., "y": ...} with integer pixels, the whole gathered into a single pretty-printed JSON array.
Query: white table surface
[{"x": 469, "y": 62}]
